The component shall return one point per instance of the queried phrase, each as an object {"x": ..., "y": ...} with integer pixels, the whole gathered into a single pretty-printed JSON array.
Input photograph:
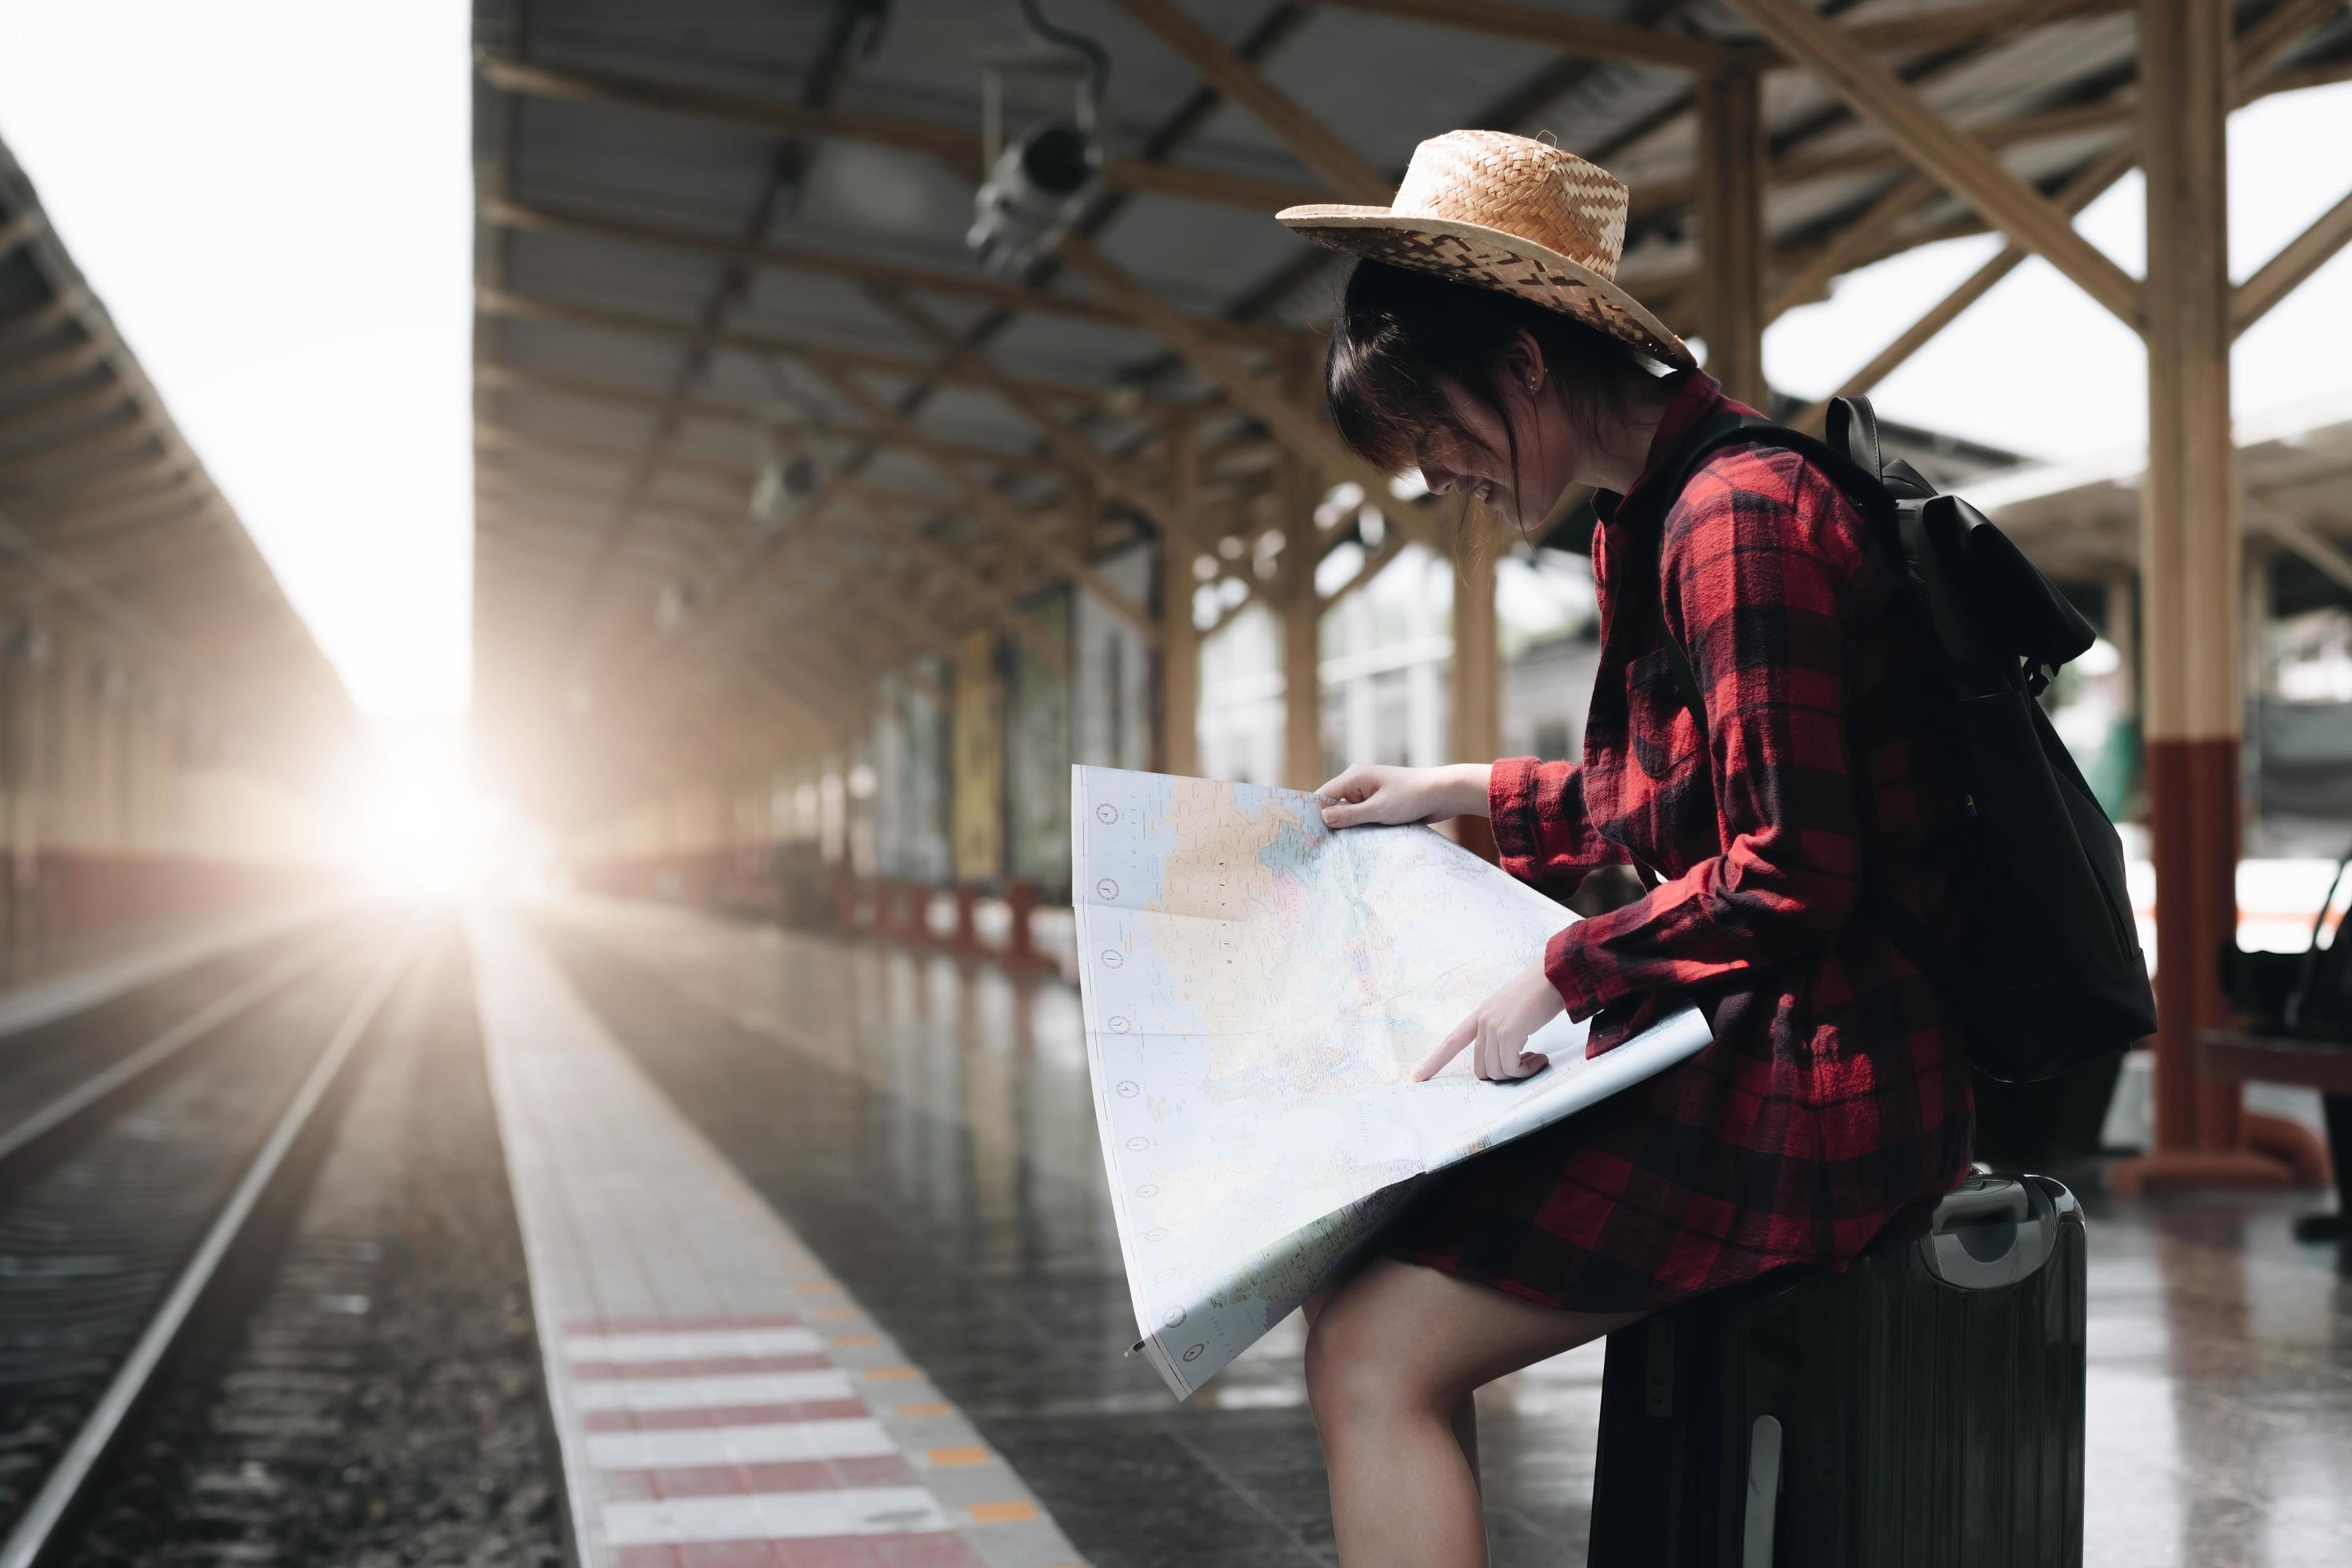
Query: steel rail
[
  {"x": 77, "y": 1103},
  {"x": 40, "y": 1527}
]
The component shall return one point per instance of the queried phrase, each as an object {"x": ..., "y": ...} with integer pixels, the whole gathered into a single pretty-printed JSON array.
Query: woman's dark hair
[{"x": 1399, "y": 331}]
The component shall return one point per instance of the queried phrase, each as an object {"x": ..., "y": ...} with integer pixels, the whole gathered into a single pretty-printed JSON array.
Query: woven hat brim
[{"x": 1490, "y": 258}]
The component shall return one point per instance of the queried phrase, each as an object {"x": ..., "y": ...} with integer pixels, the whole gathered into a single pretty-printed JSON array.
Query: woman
[{"x": 1482, "y": 341}]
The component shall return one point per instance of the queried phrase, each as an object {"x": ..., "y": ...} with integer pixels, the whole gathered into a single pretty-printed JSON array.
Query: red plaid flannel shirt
[{"x": 1830, "y": 1047}]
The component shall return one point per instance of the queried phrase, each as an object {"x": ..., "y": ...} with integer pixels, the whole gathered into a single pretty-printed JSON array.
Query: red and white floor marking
[{"x": 720, "y": 1399}]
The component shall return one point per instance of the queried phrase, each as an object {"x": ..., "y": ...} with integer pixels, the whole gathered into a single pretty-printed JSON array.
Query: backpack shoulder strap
[
  {"x": 1850, "y": 458},
  {"x": 1851, "y": 426}
]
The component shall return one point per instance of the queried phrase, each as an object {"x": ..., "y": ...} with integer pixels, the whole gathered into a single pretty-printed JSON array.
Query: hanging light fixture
[{"x": 781, "y": 492}]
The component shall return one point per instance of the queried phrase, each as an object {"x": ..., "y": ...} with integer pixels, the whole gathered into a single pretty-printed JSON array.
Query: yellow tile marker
[
  {"x": 1016, "y": 1512},
  {"x": 953, "y": 1458}
]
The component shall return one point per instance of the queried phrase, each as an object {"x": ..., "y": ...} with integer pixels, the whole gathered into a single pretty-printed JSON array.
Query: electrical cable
[{"x": 1097, "y": 58}]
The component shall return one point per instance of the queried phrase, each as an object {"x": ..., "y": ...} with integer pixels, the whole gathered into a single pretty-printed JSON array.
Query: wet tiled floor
[{"x": 928, "y": 1133}]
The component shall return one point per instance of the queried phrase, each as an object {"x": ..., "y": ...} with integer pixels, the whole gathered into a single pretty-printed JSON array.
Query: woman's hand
[
  {"x": 1371, "y": 793},
  {"x": 1497, "y": 1031}
]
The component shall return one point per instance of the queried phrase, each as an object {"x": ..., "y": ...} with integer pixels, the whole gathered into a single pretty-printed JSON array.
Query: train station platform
[
  {"x": 858, "y": 1188},
  {"x": 720, "y": 1398}
]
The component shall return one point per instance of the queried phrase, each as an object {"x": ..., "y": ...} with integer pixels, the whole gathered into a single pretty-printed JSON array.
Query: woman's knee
[{"x": 1363, "y": 1364}]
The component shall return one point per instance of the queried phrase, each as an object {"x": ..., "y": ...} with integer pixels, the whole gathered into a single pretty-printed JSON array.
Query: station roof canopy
[
  {"x": 2081, "y": 519},
  {"x": 713, "y": 235},
  {"x": 109, "y": 522}
]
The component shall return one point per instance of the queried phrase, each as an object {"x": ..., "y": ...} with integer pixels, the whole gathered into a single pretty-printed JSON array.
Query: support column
[
  {"x": 1732, "y": 180},
  {"x": 1477, "y": 662},
  {"x": 1302, "y": 615},
  {"x": 2191, "y": 559},
  {"x": 1302, "y": 640},
  {"x": 1180, "y": 640}
]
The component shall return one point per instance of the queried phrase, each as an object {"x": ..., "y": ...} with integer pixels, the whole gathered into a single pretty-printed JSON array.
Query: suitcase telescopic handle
[{"x": 1990, "y": 1233}]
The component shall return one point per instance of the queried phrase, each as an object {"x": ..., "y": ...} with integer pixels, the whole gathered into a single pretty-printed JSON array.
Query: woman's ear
[{"x": 1522, "y": 368}]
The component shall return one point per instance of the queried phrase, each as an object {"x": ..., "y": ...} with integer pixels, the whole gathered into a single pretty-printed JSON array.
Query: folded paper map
[{"x": 1257, "y": 992}]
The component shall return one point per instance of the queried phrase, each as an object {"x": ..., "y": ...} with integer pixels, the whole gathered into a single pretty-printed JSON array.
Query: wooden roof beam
[
  {"x": 590, "y": 389},
  {"x": 503, "y": 303},
  {"x": 1020, "y": 526},
  {"x": 2286, "y": 272},
  {"x": 2078, "y": 194},
  {"x": 527, "y": 526},
  {"x": 2323, "y": 554},
  {"x": 57, "y": 364},
  {"x": 62, "y": 523},
  {"x": 30, "y": 326},
  {"x": 1806, "y": 269},
  {"x": 98, "y": 399},
  {"x": 1959, "y": 162},
  {"x": 1346, "y": 171},
  {"x": 492, "y": 437},
  {"x": 1305, "y": 432},
  {"x": 2117, "y": 112},
  {"x": 954, "y": 143},
  {"x": 1565, "y": 31},
  {"x": 169, "y": 512},
  {"x": 1076, "y": 447},
  {"x": 1951, "y": 27},
  {"x": 99, "y": 487},
  {"x": 828, "y": 633},
  {"x": 992, "y": 598},
  {"x": 839, "y": 621},
  {"x": 128, "y": 428},
  {"x": 2259, "y": 46},
  {"x": 1861, "y": 239},
  {"x": 962, "y": 285}
]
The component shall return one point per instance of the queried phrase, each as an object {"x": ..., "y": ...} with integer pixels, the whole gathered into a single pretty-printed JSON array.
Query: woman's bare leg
[
  {"x": 1392, "y": 1355},
  {"x": 1465, "y": 1420}
]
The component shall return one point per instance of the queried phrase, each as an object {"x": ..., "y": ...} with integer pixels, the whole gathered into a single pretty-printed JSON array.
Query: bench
[{"x": 2242, "y": 1055}]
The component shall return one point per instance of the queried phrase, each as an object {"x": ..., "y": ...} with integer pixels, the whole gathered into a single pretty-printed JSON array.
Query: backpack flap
[
  {"x": 1934, "y": 541},
  {"x": 2028, "y": 615}
]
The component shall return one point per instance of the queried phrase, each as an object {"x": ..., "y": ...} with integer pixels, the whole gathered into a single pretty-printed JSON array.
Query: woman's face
[{"x": 1473, "y": 457}]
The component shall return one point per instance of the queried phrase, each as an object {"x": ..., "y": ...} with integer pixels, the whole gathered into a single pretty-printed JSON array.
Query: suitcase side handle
[{"x": 1991, "y": 1233}]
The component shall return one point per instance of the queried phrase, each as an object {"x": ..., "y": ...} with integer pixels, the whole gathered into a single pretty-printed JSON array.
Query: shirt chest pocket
[{"x": 1660, "y": 734}]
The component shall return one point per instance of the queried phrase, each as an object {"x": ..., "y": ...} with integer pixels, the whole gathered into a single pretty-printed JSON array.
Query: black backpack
[{"x": 2049, "y": 974}]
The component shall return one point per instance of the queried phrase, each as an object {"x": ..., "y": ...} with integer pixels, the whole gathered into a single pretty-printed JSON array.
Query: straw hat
[{"x": 1510, "y": 213}]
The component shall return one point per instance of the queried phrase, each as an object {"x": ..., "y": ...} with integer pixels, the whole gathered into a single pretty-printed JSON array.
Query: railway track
[{"x": 125, "y": 1199}]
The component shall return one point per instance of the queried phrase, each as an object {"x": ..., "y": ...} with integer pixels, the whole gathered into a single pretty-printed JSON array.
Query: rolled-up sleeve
[
  {"x": 1756, "y": 553},
  {"x": 1541, "y": 829}
]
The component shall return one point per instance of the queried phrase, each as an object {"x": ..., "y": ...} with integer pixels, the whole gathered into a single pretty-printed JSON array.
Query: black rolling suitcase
[{"x": 1923, "y": 1411}]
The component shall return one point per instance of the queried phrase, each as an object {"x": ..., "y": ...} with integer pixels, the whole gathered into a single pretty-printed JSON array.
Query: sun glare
[{"x": 421, "y": 828}]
